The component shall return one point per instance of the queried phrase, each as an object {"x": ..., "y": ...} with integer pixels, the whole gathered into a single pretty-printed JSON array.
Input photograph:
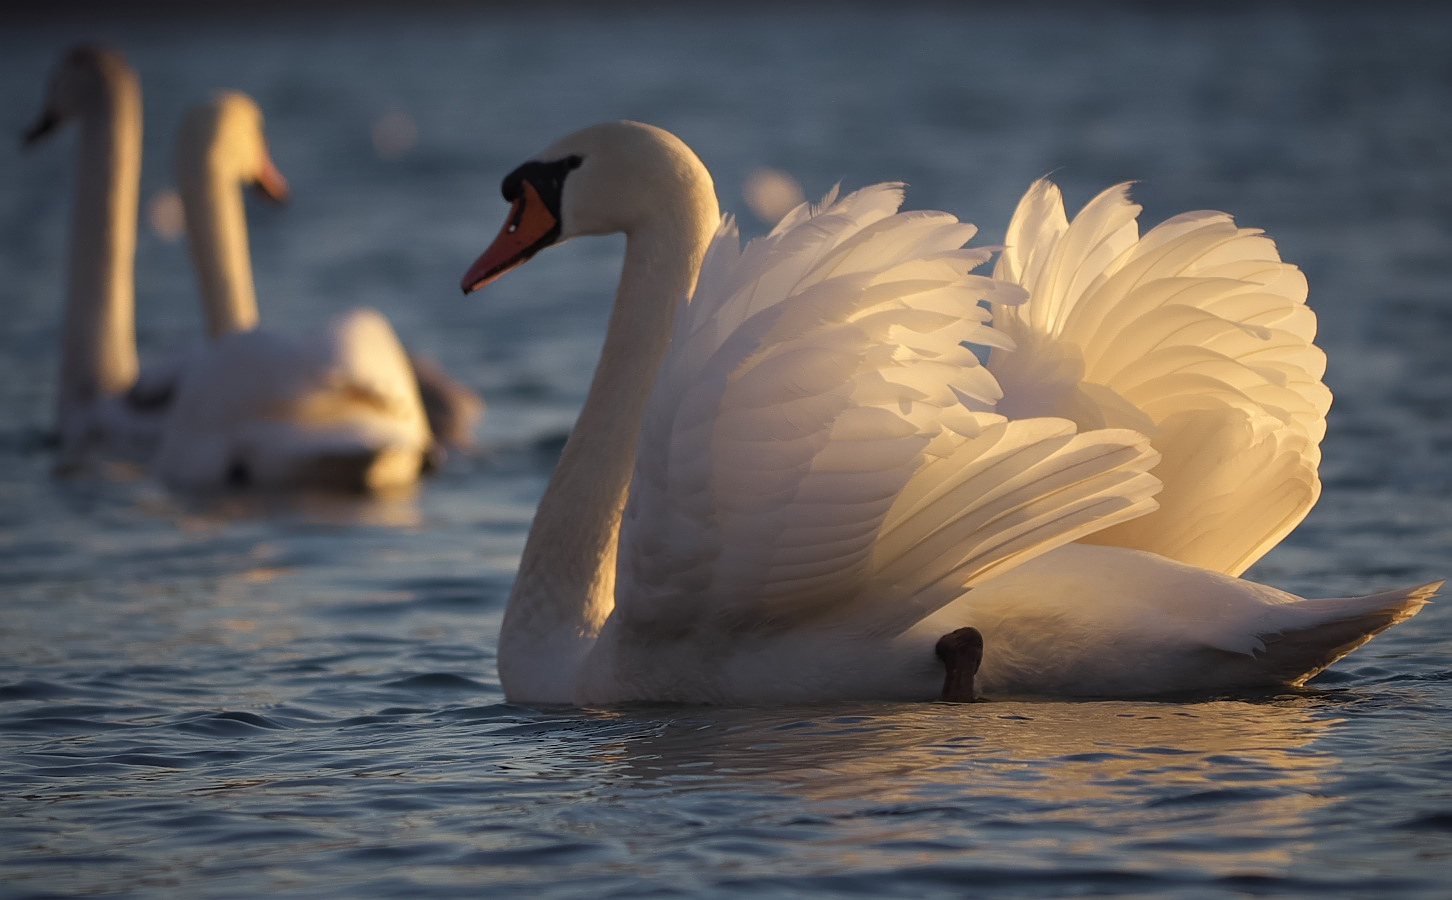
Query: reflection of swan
[
  {"x": 1009, "y": 793},
  {"x": 810, "y": 495},
  {"x": 932, "y": 781},
  {"x": 899, "y": 753}
]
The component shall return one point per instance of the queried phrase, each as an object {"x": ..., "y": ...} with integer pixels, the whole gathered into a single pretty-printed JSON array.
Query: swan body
[
  {"x": 1102, "y": 621},
  {"x": 789, "y": 481},
  {"x": 337, "y": 409}
]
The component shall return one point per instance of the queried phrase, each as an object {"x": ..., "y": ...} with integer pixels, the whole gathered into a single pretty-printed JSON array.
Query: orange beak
[
  {"x": 269, "y": 182},
  {"x": 529, "y": 229}
]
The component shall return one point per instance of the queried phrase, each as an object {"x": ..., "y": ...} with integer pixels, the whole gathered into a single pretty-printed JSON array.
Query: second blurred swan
[
  {"x": 336, "y": 408},
  {"x": 352, "y": 396}
]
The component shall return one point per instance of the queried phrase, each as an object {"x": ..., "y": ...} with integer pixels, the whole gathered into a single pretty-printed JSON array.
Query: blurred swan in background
[
  {"x": 337, "y": 408},
  {"x": 343, "y": 408},
  {"x": 98, "y": 412},
  {"x": 221, "y": 146},
  {"x": 799, "y": 486}
]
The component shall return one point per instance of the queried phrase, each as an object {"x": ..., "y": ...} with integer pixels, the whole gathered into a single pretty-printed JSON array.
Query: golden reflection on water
[
  {"x": 396, "y": 508},
  {"x": 1178, "y": 782},
  {"x": 161, "y": 575}
]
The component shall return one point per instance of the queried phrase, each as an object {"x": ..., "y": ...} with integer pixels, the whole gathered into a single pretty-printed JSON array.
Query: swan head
[
  {"x": 625, "y": 177},
  {"x": 226, "y": 138},
  {"x": 83, "y": 81}
]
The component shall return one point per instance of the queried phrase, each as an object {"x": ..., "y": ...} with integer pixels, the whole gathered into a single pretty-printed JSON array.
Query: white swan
[
  {"x": 336, "y": 408},
  {"x": 97, "y": 412},
  {"x": 220, "y": 146},
  {"x": 818, "y": 477},
  {"x": 340, "y": 409}
]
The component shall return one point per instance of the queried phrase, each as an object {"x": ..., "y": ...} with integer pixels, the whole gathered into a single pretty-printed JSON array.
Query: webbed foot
[{"x": 962, "y": 653}]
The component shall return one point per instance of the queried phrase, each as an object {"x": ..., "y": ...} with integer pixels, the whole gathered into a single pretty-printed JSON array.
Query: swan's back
[
  {"x": 1115, "y": 622},
  {"x": 1196, "y": 334},
  {"x": 339, "y": 409}
]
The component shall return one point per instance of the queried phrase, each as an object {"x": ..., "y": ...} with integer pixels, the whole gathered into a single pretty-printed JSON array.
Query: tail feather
[{"x": 1342, "y": 624}]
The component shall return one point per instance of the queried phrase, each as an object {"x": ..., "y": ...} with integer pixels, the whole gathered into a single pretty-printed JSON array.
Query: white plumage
[
  {"x": 335, "y": 408},
  {"x": 794, "y": 489},
  {"x": 812, "y": 478},
  {"x": 94, "y": 414},
  {"x": 1196, "y": 334}
]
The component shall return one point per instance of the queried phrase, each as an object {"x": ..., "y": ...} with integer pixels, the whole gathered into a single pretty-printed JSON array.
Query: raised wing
[
  {"x": 1196, "y": 334},
  {"x": 808, "y": 381},
  {"x": 1014, "y": 491}
]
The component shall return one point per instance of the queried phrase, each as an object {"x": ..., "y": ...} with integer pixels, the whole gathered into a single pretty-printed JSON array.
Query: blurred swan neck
[
  {"x": 211, "y": 194},
  {"x": 98, "y": 353}
]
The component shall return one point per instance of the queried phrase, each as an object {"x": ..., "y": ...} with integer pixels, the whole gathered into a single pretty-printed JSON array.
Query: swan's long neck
[
  {"x": 566, "y": 583},
  {"x": 98, "y": 351},
  {"x": 217, "y": 237}
]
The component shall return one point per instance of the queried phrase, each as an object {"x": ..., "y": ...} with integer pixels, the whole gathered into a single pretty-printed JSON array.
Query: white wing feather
[
  {"x": 1196, "y": 334},
  {"x": 809, "y": 381},
  {"x": 1017, "y": 490}
]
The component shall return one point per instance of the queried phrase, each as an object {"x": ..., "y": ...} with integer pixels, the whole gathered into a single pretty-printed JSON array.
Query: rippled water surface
[{"x": 239, "y": 696}]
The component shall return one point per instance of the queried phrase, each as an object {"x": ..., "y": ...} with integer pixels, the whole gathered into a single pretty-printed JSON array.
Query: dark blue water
[{"x": 233, "y": 697}]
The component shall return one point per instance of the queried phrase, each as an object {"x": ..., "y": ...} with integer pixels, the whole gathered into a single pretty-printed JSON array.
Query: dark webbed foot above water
[{"x": 962, "y": 653}]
